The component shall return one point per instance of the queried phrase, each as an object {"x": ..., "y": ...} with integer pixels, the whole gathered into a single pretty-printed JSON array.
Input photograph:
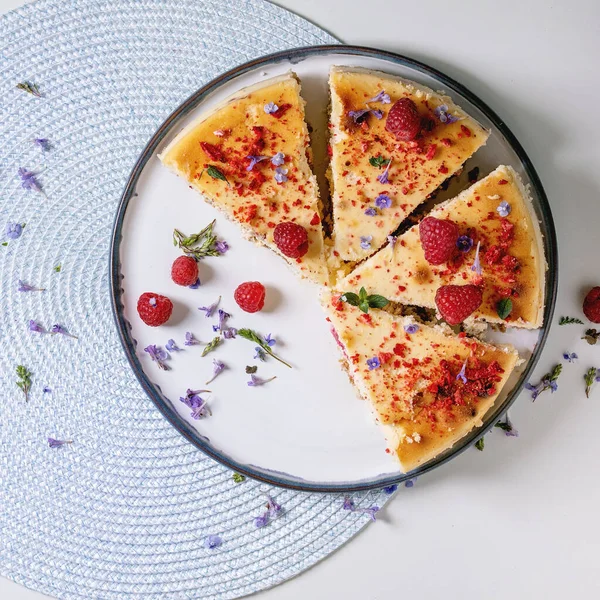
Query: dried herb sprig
[
  {"x": 238, "y": 478},
  {"x": 211, "y": 345},
  {"x": 480, "y": 444},
  {"x": 252, "y": 336},
  {"x": 591, "y": 336},
  {"x": 30, "y": 88},
  {"x": 199, "y": 245},
  {"x": 591, "y": 376},
  {"x": 24, "y": 375},
  {"x": 570, "y": 321}
]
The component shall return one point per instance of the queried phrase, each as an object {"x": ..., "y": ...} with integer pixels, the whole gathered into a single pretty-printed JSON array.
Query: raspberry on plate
[
  {"x": 591, "y": 305},
  {"x": 438, "y": 239},
  {"x": 250, "y": 296},
  {"x": 457, "y": 302},
  {"x": 154, "y": 309},
  {"x": 184, "y": 271},
  {"x": 291, "y": 239},
  {"x": 404, "y": 120}
]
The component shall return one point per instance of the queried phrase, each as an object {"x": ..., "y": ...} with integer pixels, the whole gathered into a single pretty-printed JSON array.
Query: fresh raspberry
[
  {"x": 438, "y": 239},
  {"x": 184, "y": 271},
  {"x": 291, "y": 239},
  {"x": 404, "y": 120},
  {"x": 250, "y": 296},
  {"x": 457, "y": 302},
  {"x": 591, "y": 305},
  {"x": 154, "y": 309}
]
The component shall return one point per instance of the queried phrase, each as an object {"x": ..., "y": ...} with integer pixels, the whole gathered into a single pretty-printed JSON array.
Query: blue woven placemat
[{"x": 126, "y": 509}]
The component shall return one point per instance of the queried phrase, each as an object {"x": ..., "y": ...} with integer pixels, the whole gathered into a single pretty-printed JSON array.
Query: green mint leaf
[
  {"x": 250, "y": 370},
  {"x": 379, "y": 161},
  {"x": 480, "y": 444},
  {"x": 238, "y": 478},
  {"x": 569, "y": 321},
  {"x": 211, "y": 345},
  {"x": 362, "y": 294},
  {"x": 504, "y": 307},
  {"x": 216, "y": 174},
  {"x": 252, "y": 336},
  {"x": 351, "y": 298},
  {"x": 377, "y": 301},
  {"x": 364, "y": 306}
]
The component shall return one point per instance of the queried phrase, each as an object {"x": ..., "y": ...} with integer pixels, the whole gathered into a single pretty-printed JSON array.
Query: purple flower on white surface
[
  {"x": 171, "y": 346},
  {"x": 209, "y": 310},
  {"x": 477, "y": 263},
  {"x": 13, "y": 231},
  {"x": 462, "y": 373},
  {"x": 381, "y": 97},
  {"x": 273, "y": 511},
  {"x": 349, "y": 505},
  {"x": 412, "y": 328},
  {"x": 548, "y": 382},
  {"x": 383, "y": 201},
  {"x": 47, "y": 390},
  {"x": 278, "y": 159},
  {"x": 270, "y": 341},
  {"x": 255, "y": 381},
  {"x": 270, "y": 108},
  {"x": 365, "y": 241},
  {"x": 212, "y": 542},
  {"x": 158, "y": 355},
  {"x": 58, "y": 443},
  {"x": 29, "y": 181},
  {"x": 36, "y": 327},
  {"x": 229, "y": 333},
  {"x": 223, "y": 316},
  {"x": 42, "y": 143},
  {"x": 190, "y": 340},
  {"x": 373, "y": 363},
  {"x": 197, "y": 284},
  {"x": 260, "y": 354},
  {"x": 199, "y": 406},
  {"x": 504, "y": 208},
  {"x": 25, "y": 287},
  {"x": 59, "y": 329},
  {"x": 507, "y": 427},
  {"x": 441, "y": 112},
  {"x": 572, "y": 357},
  {"x": 384, "y": 177},
  {"x": 254, "y": 160},
  {"x": 281, "y": 174},
  {"x": 261, "y": 521},
  {"x": 221, "y": 246},
  {"x": 464, "y": 243},
  {"x": 218, "y": 366}
]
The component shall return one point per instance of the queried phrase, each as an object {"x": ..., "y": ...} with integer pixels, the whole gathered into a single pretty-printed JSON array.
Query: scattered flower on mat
[
  {"x": 349, "y": 505},
  {"x": 212, "y": 542},
  {"x": 390, "y": 489},
  {"x": 47, "y": 390},
  {"x": 43, "y": 144},
  {"x": 273, "y": 511},
  {"x": 25, "y": 287},
  {"x": 59, "y": 329},
  {"x": 58, "y": 443},
  {"x": 36, "y": 327},
  {"x": 13, "y": 231},
  {"x": 158, "y": 355},
  {"x": 29, "y": 181}
]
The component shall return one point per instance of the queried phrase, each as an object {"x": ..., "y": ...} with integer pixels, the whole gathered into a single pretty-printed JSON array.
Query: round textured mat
[{"x": 126, "y": 509}]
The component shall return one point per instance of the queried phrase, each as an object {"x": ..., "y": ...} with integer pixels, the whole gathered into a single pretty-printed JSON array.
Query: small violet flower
[
  {"x": 570, "y": 357},
  {"x": 28, "y": 180},
  {"x": 36, "y": 327},
  {"x": 256, "y": 381},
  {"x": 410, "y": 482},
  {"x": 477, "y": 264},
  {"x": 193, "y": 400},
  {"x": 464, "y": 243},
  {"x": 221, "y": 246},
  {"x": 441, "y": 112},
  {"x": 13, "y": 230},
  {"x": 47, "y": 390},
  {"x": 158, "y": 355},
  {"x": 190, "y": 340},
  {"x": 198, "y": 283},
  {"x": 392, "y": 239},
  {"x": 365, "y": 241},
  {"x": 171, "y": 346},
  {"x": 43, "y": 144},
  {"x": 25, "y": 287},
  {"x": 254, "y": 160},
  {"x": 381, "y": 97},
  {"x": 462, "y": 373},
  {"x": 281, "y": 174},
  {"x": 212, "y": 542},
  {"x": 371, "y": 212},
  {"x": 270, "y": 341},
  {"x": 209, "y": 310},
  {"x": 223, "y": 316},
  {"x": 349, "y": 505},
  {"x": 261, "y": 521},
  {"x": 383, "y": 201},
  {"x": 218, "y": 366},
  {"x": 260, "y": 354},
  {"x": 412, "y": 328},
  {"x": 358, "y": 116},
  {"x": 503, "y": 209},
  {"x": 278, "y": 159},
  {"x": 62, "y": 331},
  {"x": 390, "y": 489},
  {"x": 58, "y": 443},
  {"x": 384, "y": 177},
  {"x": 229, "y": 333},
  {"x": 270, "y": 108},
  {"x": 373, "y": 363}
]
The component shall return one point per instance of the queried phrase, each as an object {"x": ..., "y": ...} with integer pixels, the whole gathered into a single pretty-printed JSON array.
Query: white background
[{"x": 522, "y": 518}]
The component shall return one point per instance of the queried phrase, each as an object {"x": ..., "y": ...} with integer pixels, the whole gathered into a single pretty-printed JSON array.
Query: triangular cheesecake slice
[
  {"x": 427, "y": 388},
  {"x": 378, "y": 177},
  {"x": 250, "y": 157},
  {"x": 495, "y": 212}
]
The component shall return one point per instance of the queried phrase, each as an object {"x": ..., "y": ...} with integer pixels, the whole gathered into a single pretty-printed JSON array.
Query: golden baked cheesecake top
[
  {"x": 426, "y": 387},
  {"x": 498, "y": 248},
  {"x": 250, "y": 157},
  {"x": 376, "y": 178}
]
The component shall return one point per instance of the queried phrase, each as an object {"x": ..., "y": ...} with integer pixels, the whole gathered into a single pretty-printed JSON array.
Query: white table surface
[{"x": 522, "y": 518}]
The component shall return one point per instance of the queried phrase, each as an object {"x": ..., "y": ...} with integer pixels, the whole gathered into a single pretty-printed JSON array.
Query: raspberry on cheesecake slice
[
  {"x": 250, "y": 157},
  {"x": 393, "y": 142},
  {"x": 427, "y": 388},
  {"x": 487, "y": 237}
]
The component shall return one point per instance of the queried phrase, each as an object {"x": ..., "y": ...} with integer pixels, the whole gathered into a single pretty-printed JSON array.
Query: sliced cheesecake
[
  {"x": 377, "y": 178},
  {"x": 427, "y": 388},
  {"x": 250, "y": 157},
  {"x": 495, "y": 214}
]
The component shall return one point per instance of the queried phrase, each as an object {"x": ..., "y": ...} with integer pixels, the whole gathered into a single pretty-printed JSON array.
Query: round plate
[{"x": 306, "y": 429}]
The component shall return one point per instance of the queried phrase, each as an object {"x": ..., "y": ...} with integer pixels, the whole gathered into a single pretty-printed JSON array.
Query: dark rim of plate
[{"x": 124, "y": 327}]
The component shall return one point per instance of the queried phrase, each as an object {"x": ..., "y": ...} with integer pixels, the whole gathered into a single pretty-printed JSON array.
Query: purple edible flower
[
  {"x": 254, "y": 160},
  {"x": 570, "y": 357},
  {"x": 508, "y": 427},
  {"x": 477, "y": 264},
  {"x": 229, "y": 333},
  {"x": 371, "y": 212},
  {"x": 197, "y": 284},
  {"x": 58, "y": 443},
  {"x": 464, "y": 243},
  {"x": 158, "y": 355},
  {"x": 272, "y": 506},
  {"x": 193, "y": 400},
  {"x": 261, "y": 521},
  {"x": 36, "y": 327},
  {"x": 260, "y": 354},
  {"x": 358, "y": 116},
  {"x": 504, "y": 208},
  {"x": 212, "y": 542},
  {"x": 62, "y": 331},
  {"x": 270, "y": 108},
  {"x": 171, "y": 346},
  {"x": 152, "y": 302},
  {"x": 209, "y": 310},
  {"x": 281, "y": 174},
  {"x": 13, "y": 230},
  {"x": 349, "y": 505},
  {"x": 462, "y": 373},
  {"x": 390, "y": 489},
  {"x": 412, "y": 328},
  {"x": 256, "y": 381},
  {"x": 410, "y": 482},
  {"x": 441, "y": 112},
  {"x": 381, "y": 97},
  {"x": 190, "y": 340},
  {"x": 47, "y": 390},
  {"x": 392, "y": 239},
  {"x": 25, "y": 287},
  {"x": 383, "y": 201},
  {"x": 42, "y": 143},
  {"x": 365, "y": 241},
  {"x": 221, "y": 246},
  {"x": 218, "y": 366},
  {"x": 383, "y": 178},
  {"x": 223, "y": 316},
  {"x": 373, "y": 363},
  {"x": 278, "y": 159},
  {"x": 28, "y": 180},
  {"x": 270, "y": 341}
]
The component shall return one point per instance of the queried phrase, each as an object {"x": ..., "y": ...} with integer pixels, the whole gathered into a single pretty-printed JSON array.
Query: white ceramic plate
[{"x": 307, "y": 429}]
